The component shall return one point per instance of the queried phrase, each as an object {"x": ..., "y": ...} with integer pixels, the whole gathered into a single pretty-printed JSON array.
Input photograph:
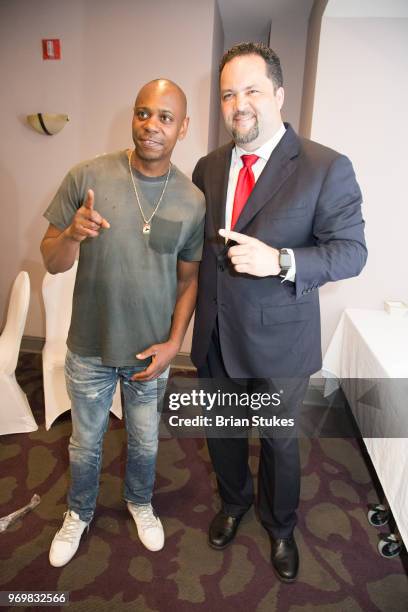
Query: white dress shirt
[{"x": 263, "y": 152}]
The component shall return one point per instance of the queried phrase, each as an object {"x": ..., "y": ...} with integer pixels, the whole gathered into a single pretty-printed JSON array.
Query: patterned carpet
[{"x": 341, "y": 569}]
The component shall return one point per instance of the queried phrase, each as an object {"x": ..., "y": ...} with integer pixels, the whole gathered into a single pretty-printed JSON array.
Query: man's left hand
[
  {"x": 162, "y": 354},
  {"x": 251, "y": 256}
]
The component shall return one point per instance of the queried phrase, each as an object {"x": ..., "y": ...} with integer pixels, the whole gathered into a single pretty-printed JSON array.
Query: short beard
[{"x": 244, "y": 138}]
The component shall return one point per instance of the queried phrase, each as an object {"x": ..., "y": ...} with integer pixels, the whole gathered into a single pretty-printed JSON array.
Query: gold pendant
[{"x": 146, "y": 228}]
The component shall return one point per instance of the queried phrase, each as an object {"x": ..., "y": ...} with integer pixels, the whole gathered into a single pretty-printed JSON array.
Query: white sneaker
[
  {"x": 66, "y": 540},
  {"x": 149, "y": 527}
]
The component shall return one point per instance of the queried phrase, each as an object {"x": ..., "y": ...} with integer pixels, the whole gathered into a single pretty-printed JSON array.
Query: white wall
[
  {"x": 218, "y": 49},
  {"x": 109, "y": 49},
  {"x": 288, "y": 38},
  {"x": 309, "y": 75},
  {"x": 361, "y": 97}
]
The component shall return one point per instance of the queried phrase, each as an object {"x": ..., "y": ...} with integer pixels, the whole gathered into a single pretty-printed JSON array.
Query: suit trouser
[{"x": 279, "y": 463}]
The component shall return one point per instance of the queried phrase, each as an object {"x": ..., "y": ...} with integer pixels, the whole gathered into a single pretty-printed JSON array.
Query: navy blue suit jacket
[{"x": 306, "y": 199}]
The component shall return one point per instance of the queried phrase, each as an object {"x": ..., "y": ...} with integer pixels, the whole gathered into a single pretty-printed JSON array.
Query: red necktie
[{"x": 245, "y": 184}]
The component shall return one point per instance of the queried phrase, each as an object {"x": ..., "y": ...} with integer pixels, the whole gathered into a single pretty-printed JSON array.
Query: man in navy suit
[{"x": 283, "y": 218}]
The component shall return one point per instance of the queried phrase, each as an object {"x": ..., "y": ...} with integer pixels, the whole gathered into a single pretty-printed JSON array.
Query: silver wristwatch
[{"x": 285, "y": 261}]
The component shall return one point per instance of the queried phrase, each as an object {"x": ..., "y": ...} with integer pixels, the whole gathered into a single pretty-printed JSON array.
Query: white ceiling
[
  {"x": 251, "y": 19},
  {"x": 367, "y": 8}
]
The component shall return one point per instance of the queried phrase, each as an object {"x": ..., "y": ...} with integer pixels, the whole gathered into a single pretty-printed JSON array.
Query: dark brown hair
[{"x": 273, "y": 66}]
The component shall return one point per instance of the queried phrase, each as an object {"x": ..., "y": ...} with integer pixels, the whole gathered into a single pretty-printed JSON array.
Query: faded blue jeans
[{"x": 91, "y": 387}]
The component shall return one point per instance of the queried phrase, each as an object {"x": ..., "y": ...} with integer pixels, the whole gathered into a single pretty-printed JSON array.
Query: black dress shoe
[
  {"x": 223, "y": 529},
  {"x": 285, "y": 558}
]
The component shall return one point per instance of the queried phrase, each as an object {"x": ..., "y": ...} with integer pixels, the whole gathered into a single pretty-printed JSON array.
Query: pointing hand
[
  {"x": 251, "y": 256},
  {"x": 87, "y": 221}
]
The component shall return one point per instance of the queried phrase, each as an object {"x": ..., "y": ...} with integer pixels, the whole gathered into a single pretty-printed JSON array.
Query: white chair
[
  {"x": 57, "y": 290},
  {"x": 15, "y": 411}
]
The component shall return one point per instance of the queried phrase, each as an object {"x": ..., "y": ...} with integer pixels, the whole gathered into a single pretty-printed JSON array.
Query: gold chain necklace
[{"x": 147, "y": 222}]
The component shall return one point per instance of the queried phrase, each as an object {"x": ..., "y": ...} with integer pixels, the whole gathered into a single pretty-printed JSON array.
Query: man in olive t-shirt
[{"x": 136, "y": 223}]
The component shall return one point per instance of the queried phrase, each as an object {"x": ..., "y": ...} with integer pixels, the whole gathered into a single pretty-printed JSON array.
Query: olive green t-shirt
[{"x": 126, "y": 283}]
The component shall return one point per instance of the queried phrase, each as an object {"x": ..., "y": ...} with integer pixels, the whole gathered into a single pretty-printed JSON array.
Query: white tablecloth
[{"x": 372, "y": 346}]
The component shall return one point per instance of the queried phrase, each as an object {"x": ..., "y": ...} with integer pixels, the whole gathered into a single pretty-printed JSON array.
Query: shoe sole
[
  {"x": 146, "y": 547},
  {"x": 60, "y": 564},
  {"x": 282, "y": 579},
  {"x": 217, "y": 547}
]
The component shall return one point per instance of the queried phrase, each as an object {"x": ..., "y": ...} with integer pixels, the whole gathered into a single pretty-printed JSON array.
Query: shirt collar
[{"x": 265, "y": 150}]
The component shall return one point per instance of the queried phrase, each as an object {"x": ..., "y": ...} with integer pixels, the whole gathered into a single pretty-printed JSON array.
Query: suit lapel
[
  {"x": 218, "y": 191},
  {"x": 279, "y": 167}
]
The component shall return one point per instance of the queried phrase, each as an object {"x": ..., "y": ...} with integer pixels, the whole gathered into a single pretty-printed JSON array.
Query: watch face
[{"x": 285, "y": 261}]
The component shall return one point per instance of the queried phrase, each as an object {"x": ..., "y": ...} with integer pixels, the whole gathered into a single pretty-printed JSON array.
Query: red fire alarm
[{"x": 51, "y": 48}]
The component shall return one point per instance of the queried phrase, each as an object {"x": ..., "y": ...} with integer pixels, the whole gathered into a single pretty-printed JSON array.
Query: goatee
[{"x": 241, "y": 138}]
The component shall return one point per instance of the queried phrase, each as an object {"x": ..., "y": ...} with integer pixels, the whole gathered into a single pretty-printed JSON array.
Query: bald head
[{"x": 160, "y": 87}]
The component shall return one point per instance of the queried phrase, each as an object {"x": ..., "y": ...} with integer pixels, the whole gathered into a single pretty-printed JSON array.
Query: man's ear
[
  {"x": 183, "y": 128},
  {"x": 280, "y": 96}
]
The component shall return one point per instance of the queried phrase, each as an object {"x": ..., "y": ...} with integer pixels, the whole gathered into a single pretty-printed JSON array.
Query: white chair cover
[
  {"x": 15, "y": 411},
  {"x": 57, "y": 290}
]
